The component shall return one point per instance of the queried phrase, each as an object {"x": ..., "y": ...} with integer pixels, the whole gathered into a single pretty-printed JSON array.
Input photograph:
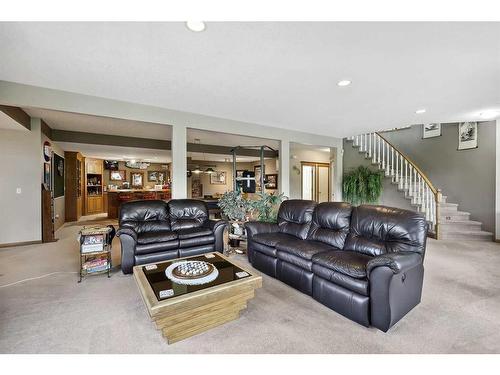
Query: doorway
[{"x": 315, "y": 181}]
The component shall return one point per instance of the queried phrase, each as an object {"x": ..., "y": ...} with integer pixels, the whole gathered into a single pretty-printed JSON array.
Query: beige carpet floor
[{"x": 459, "y": 313}]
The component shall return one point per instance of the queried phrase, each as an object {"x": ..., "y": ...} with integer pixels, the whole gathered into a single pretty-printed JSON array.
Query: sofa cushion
[
  {"x": 271, "y": 239},
  {"x": 193, "y": 232},
  {"x": 197, "y": 241},
  {"x": 294, "y": 217},
  {"x": 144, "y": 216},
  {"x": 142, "y": 249},
  {"x": 303, "y": 248},
  {"x": 264, "y": 249},
  {"x": 360, "y": 286},
  {"x": 377, "y": 230},
  {"x": 347, "y": 262},
  {"x": 187, "y": 213},
  {"x": 295, "y": 260},
  {"x": 330, "y": 223},
  {"x": 160, "y": 236}
]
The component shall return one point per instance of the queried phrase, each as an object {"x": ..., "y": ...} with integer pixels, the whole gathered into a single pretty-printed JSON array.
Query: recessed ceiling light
[
  {"x": 490, "y": 114},
  {"x": 195, "y": 26},
  {"x": 344, "y": 82},
  {"x": 420, "y": 111}
]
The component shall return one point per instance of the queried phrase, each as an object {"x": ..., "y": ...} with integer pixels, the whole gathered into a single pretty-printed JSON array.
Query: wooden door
[{"x": 315, "y": 181}]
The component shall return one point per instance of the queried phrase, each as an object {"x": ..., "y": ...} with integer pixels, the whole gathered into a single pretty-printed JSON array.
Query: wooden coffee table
[{"x": 181, "y": 311}]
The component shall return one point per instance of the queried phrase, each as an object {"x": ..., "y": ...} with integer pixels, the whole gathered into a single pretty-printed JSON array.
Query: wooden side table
[{"x": 234, "y": 240}]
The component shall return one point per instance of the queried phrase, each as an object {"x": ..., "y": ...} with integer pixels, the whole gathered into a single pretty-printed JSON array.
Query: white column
[
  {"x": 336, "y": 157},
  {"x": 284, "y": 172},
  {"x": 179, "y": 162},
  {"x": 497, "y": 182}
]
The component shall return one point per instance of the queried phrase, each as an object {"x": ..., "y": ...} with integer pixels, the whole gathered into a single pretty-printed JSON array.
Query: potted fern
[
  {"x": 362, "y": 185},
  {"x": 266, "y": 206}
]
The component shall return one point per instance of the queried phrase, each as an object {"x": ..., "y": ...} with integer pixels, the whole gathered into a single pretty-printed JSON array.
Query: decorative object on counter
[
  {"x": 137, "y": 179},
  {"x": 362, "y": 185},
  {"x": 431, "y": 130},
  {"x": 271, "y": 181},
  {"x": 117, "y": 175},
  {"x": 218, "y": 178},
  {"x": 193, "y": 272},
  {"x": 112, "y": 165},
  {"x": 95, "y": 250},
  {"x": 133, "y": 164},
  {"x": 467, "y": 135}
]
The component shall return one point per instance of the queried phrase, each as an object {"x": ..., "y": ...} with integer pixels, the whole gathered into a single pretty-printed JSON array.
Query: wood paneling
[
  {"x": 93, "y": 194},
  {"x": 74, "y": 185}
]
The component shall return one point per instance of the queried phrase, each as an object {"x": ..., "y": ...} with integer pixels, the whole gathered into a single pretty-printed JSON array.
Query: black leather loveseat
[
  {"x": 364, "y": 262},
  {"x": 154, "y": 230}
]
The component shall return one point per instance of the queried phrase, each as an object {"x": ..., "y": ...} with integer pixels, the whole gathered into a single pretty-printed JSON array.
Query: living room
[{"x": 250, "y": 188}]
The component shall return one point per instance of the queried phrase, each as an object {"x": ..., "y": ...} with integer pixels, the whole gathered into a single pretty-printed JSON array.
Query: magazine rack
[{"x": 95, "y": 251}]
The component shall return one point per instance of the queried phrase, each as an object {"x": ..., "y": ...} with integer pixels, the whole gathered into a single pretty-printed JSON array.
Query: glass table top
[{"x": 164, "y": 288}]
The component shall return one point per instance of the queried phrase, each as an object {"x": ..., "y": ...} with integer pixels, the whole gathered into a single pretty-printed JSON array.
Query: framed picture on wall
[
  {"x": 467, "y": 135},
  {"x": 431, "y": 130},
  {"x": 156, "y": 176},
  {"x": 152, "y": 176},
  {"x": 271, "y": 181},
  {"x": 218, "y": 178},
  {"x": 137, "y": 179},
  {"x": 117, "y": 175}
]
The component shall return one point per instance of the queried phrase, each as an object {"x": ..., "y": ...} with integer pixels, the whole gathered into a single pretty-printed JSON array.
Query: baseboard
[{"x": 14, "y": 244}]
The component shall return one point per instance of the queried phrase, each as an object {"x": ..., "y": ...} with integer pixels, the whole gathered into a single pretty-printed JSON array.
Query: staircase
[
  {"x": 445, "y": 220},
  {"x": 457, "y": 225}
]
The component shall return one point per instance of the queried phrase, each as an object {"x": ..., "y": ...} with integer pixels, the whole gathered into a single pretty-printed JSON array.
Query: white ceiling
[
  {"x": 118, "y": 152},
  {"x": 281, "y": 74},
  {"x": 8, "y": 123}
]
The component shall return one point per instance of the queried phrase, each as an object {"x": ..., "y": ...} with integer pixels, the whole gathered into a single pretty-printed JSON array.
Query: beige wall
[
  {"x": 298, "y": 154},
  {"x": 20, "y": 220}
]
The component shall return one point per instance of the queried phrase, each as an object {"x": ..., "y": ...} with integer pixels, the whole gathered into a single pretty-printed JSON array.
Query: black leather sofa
[
  {"x": 154, "y": 230},
  {"x": 364, "y": 262}
]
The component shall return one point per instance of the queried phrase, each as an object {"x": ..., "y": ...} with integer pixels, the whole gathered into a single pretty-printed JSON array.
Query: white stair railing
[{"x": 404, "y": 173}]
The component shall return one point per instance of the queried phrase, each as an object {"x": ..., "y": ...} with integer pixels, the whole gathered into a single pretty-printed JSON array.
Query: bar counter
[{"x": 117, "y": 197}]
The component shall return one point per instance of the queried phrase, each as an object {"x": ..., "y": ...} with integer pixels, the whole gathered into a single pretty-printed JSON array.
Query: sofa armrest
[
  {"x": 396, "y": 281},
  {"x": 128, "y": 241},
  {"x": 397, "y": 262},
  {"x": 214, "y": 224},
  {"x": 255, "y": 227},
  {"x": 127, "y": 231},
  {"x": 218, "y": 227}
]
